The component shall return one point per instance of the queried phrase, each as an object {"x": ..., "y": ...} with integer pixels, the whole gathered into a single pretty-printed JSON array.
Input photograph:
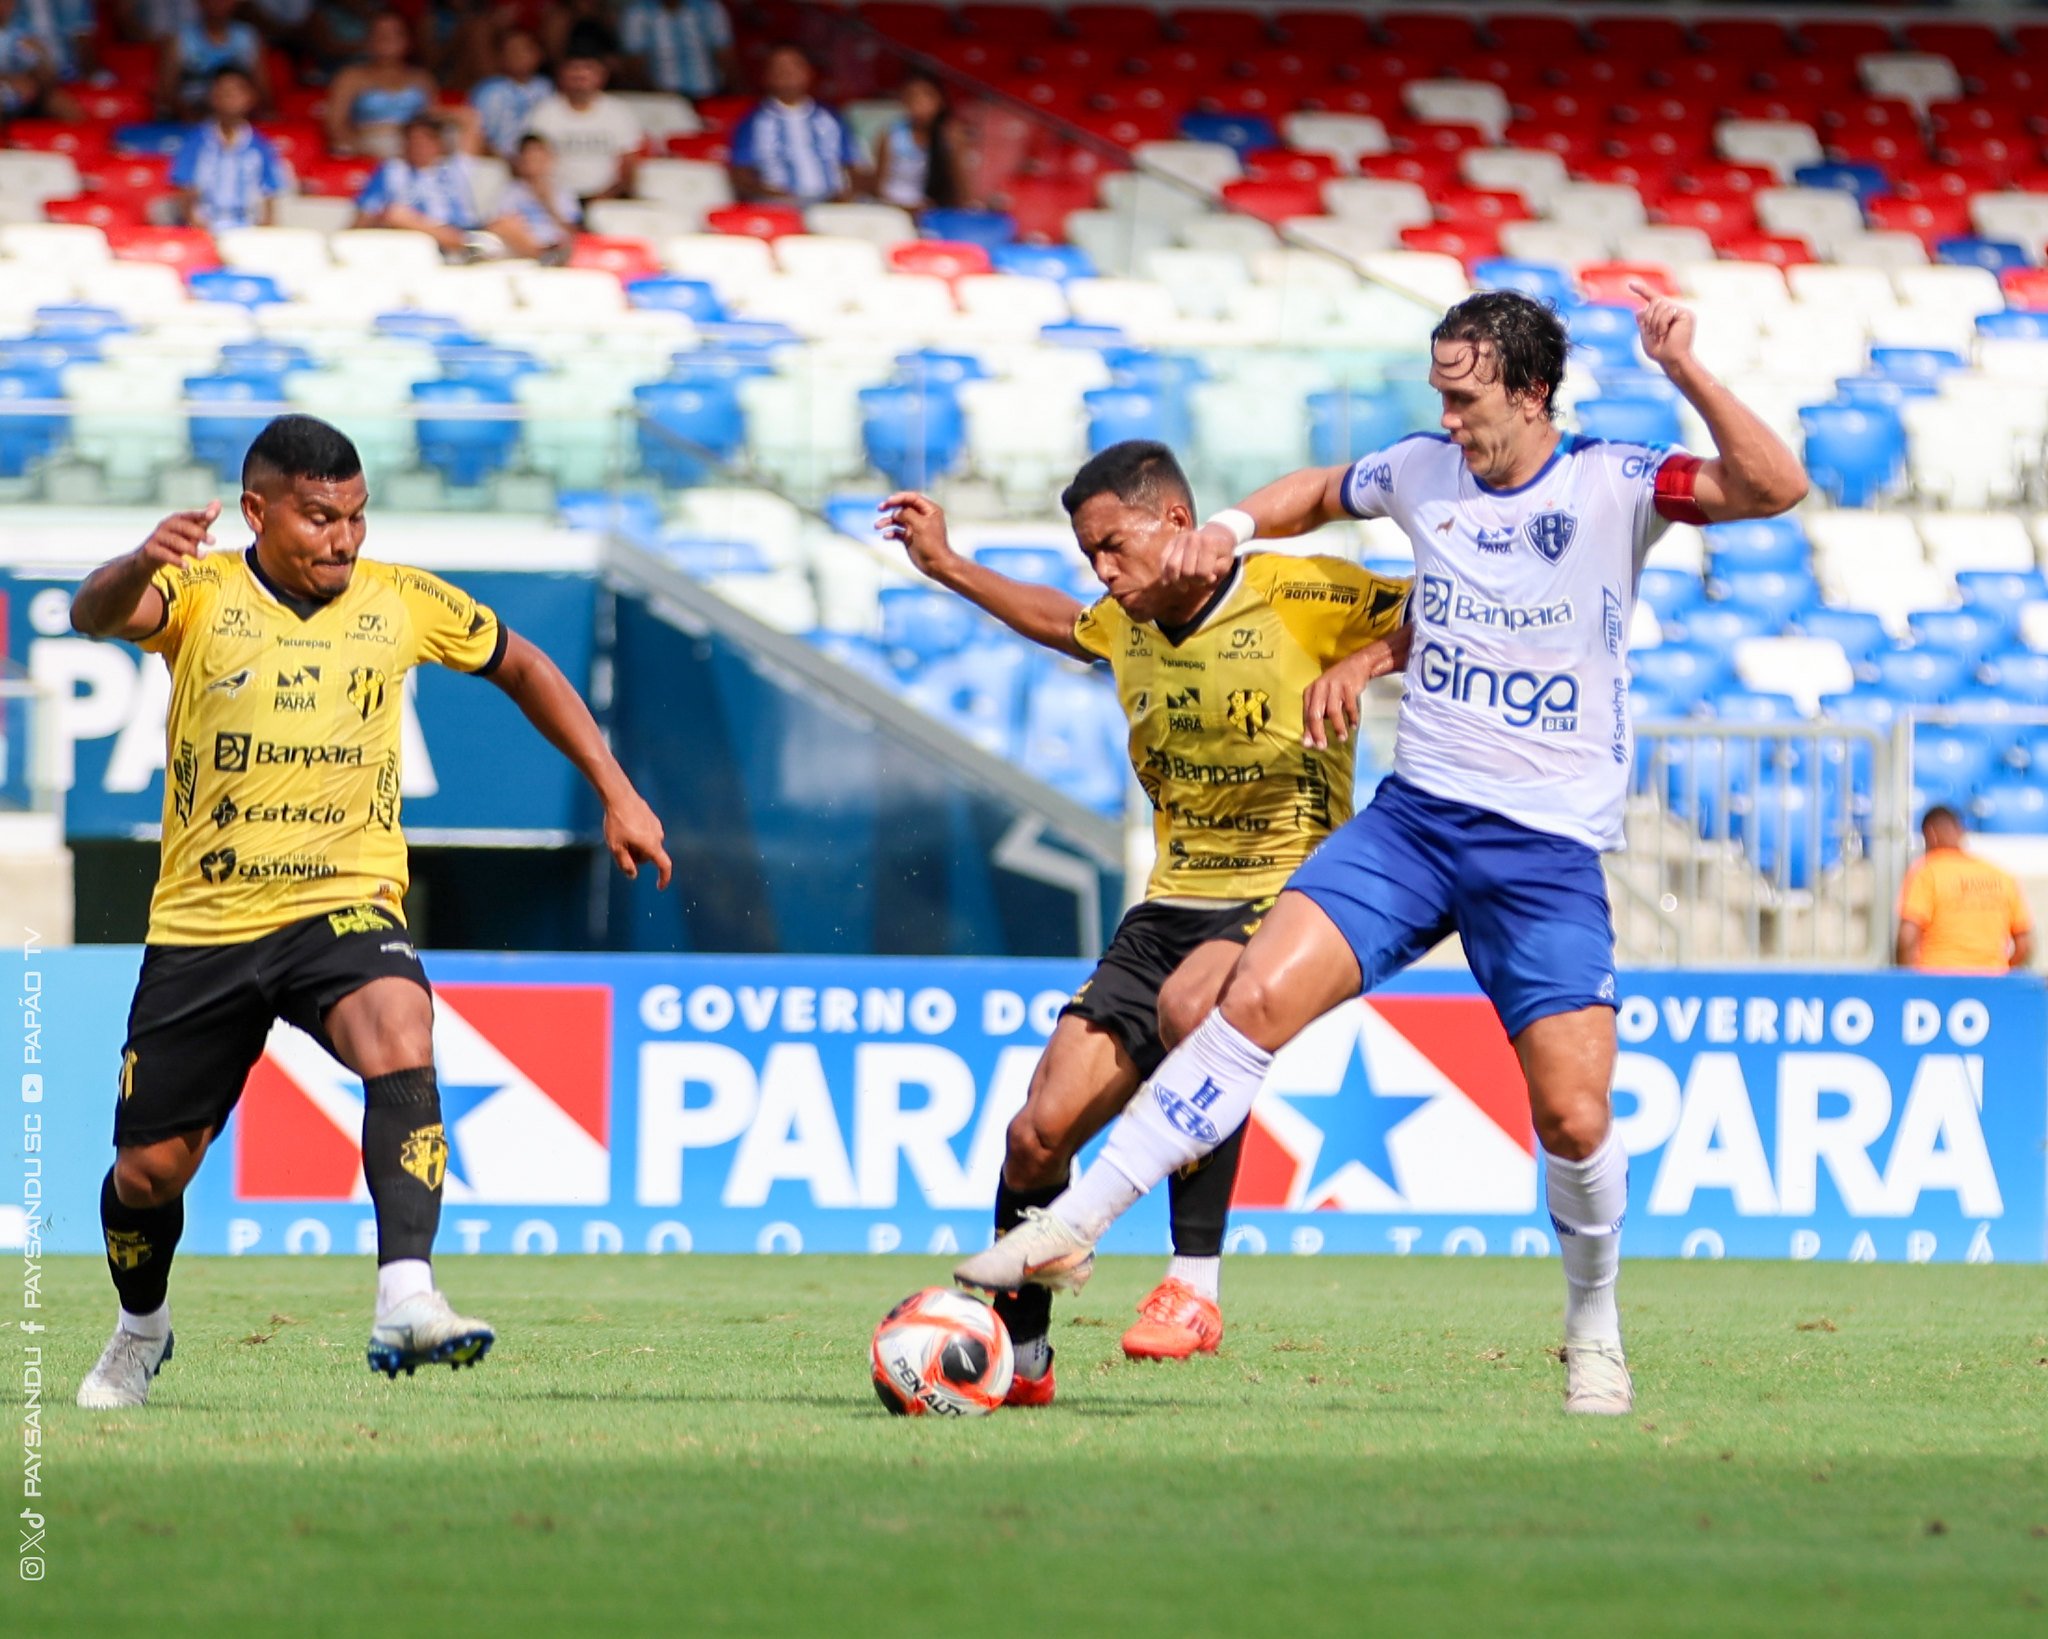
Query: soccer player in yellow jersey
[
  {"x": 283, "y": 870},
  {"x": 1213, "y": 676}
]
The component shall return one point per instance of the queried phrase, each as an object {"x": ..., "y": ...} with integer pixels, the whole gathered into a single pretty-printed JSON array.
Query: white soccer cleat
[
  {"x": 425, "y": 1331},
  {"x": 125, "y": 1368},
  {"x": 1596, "y": 1380},
  {"x": 1040, "y": 1251}
]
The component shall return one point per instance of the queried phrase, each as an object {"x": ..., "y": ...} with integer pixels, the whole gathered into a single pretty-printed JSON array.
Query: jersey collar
[
  {"x": 1566, "y": 443},
  {"x": 1177, "y": 635},
  {"x": 304, "y": 608}
]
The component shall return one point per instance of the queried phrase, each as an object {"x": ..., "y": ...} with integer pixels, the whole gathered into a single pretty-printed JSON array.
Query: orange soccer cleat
[
  {"x": 1030, "y": 1391},
  {"x": 1174, "y": 1322}
]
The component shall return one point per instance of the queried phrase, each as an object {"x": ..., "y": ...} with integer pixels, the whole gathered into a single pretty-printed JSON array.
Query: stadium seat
[
  {"x": 1685, "y": 671},
  {"x": 1859, "y": 634},
  {"x": 913, "y": 435},
  {"x": 684, "y": 423},
  {"x": 1629, "y": 420},
  {"x": 1074, "y": 733},
  {"x": 2011, "y": 806},
  {"x": 1344, "y": 425},
  {"x": 1967, "y": 633},
  {"x": 1669, "y": 592},
  {"x": 1802, "y": 669},
  {"x": 1757, "y": 544},
  {"x": 1854, "y": 454},
  {"x": 1922, "y": 676}
]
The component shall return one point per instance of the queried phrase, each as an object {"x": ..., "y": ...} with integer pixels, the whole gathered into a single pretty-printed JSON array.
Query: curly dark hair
[{"x": 1528, "y": 341}]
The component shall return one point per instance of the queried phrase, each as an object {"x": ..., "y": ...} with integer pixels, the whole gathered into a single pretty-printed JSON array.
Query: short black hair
[
  {"x": 231, "y": 71},
  {"x": 1529, "y": 340},
  {"x": 1138, "y": 472},
  {"x": 300, "y": 446},
  {"x": 533, "y": 139},
  {"x": 425, "y": 122},
  {"x": 1939, "y": 812}
]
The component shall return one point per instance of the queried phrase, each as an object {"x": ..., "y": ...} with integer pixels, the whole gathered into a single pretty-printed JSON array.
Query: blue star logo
[
  {"x": 457, "y": 1101},
  {"x": 1356, "y": 1122}
]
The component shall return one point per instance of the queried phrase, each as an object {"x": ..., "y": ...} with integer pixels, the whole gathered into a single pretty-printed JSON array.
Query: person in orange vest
[{"x": 1959, "y": 913}]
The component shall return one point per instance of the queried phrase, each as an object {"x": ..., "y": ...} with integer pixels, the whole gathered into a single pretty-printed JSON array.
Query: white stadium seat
[
  {"x": 728, "y": 262},
  {"x": 882, "y": 225},
  {"x": 1459, "y": 102},
  {"x": 1916, "y": 77},
  {"x": 54, "y": 244},
  {"x": 1803, "y": 667},
  {"x": 829, "y": 258},
  {"x": 660, "y": 114},
  {"x": 1534, "y": 173},
  {"x": 1780, "y": 146},
  {"x": 1823, "y": 217},
  {"x": 2021, "y": 218},
  {"x": 689, "y": 187},
  {"x": 1203, "y": 165},
  {"x": 1977, "y": 540},
  {"x": 1345, "y": 137},
  {"x": 1385, "y": 203}
]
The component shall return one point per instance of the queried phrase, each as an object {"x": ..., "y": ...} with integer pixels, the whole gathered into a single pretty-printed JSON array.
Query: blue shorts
[{"x": 1530, "y": 907}]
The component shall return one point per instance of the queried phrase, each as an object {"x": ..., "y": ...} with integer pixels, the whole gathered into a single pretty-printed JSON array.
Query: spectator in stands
[
  {"x": 67, "y": 27},
  {"x": 463, "y": 44},
  {"x": 921, "y": 160},
  {"x": 192, "y": 57},
  {"x": 30, "y": 69},
  {"x": 582, "y": 28},
  {"x": 157, "y": 19},
  {"x": 791, "y": 148},
  {"x": 538, "y": 214},
  {"x": 286, "y": 24},
  {"x": 1959, "y": 913},
  {"x": 683, "y": 46},
  {"x": 227, "y": 173},
  {"x": 370, "y": 102},
  {"x": 429, "y": 188},
  {"x": 507, "y": 100},
  {"x": 596, "y": 138}
]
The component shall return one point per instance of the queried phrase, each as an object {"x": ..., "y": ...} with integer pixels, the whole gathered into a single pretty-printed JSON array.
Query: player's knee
[
  {"x": 1036, "y": 1158},
  {"x": 1574, "y": 1131},
  {"x": 147, "y": 1178},
  {"x": 1253, "y": 1007},
  {"x": 1181, "y": 1009}
]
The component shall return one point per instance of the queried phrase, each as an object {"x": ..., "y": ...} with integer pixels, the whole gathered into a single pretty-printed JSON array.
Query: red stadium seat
[
  {"x": 1648, "y": 177},
  {"x": 299, "y": 102},
  {"x": 1654, "y": 41},
  {"x": 1865, "y": 147},
  {"x": 2026, "y": 288},
  {"x": 1669, "y": 110},
  {"x": 1470, "y": 245},
  {"x": 1191, "y": 65},
  {"x": 1062, "y": 99},
  {"x": 297, "y": 141},
  {"x": 1780, "y": 250},
  {"x": 755, "y": 221},
  {"x": 1532, "y": 34},
  {"x": 1704, "y": 74},
  {"x": 189, "y": 250},
  {"x": 144, "y": 174},
  {"x": 1872, "y": 114},
  {"x": 1661, "y": 148},
  {"x": 1115, "y": 24},
  {"x": 1434, "y": 172},
  {"x": 1964, "y": 44},
  {"x": 1721, "y": 177},
  {"x": 1565, "y": 106},
  {"x": 1383, "y": 101},
  {"x": 1239, "y": 31},
  {"x": 1981, "y": 117},
  {"x": 1480, "y": 207},
  {"x": 1800, "y": 107},
  {"x": 1609, "y": 281},
  {"x": 980, "y": 58},
  {"x": 1023, "y": 25},
  {"x": 1339, "y": 33},
  {"x": 1743, "y": 39},
  {"x": 335, "y": 178},
  {"x": 1436, "y": 138},
  {"x": 714, "y": 146},
  {"x": 939, "y": 258},
  {"x": 81, "y": 142},
  {"x": 1718, "y": 216},
  {"x": 723, "y": 113},
  {"x": 2000, "y": 156},
  {"x": 113, "y": 104},
  {"x": 1846, "y": 41},
  {"x": 1040, "y": 205},
  {"x": 1129, "y": 127},
  {"x": 128, "y": 64},
  {"x": 1510, "y": 72},
  {"x": 1932, "y": 220},
  {"x": 1822, "y": 76},
  {"x": 98, "y": 210},
  {"x": 1087, "y": 60},
  {"x": 1288, "y": 165},
  {"x": 1577, "y": 147},
  {"x": 1286, "y": 64},
  {"x": 623, "y": 258},
  {"x": 1249, "y": 97},
  {"x": 1274, "y": 200},
  {"x": 2030, "y": 40},
  {"x": 1428, "y": 32},
  {"x": 2013, "y": 80},
  {"x": 1926, "y": 180},
  {"x": 908, "y": 20},
  {"x": 1128, "y": 94}
]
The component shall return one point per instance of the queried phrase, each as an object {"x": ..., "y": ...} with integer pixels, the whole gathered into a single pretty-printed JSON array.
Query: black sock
[
  {"x": 1199, "y": 1199},
  {"x": 140, "y": 1243},
  {"x": 405, "y": 1158},
  {"x": 1028, "y": 1314}
]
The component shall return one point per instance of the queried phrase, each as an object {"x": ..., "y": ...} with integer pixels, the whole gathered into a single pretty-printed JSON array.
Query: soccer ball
[{"x": 942, "y": 1353}]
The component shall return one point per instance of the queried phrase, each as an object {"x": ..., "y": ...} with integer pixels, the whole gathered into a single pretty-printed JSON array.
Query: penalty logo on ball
[{"x": 941, "y": 1353}]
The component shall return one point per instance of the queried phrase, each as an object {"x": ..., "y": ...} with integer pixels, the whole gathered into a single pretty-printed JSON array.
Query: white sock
[
  {"x": 1205, "y": 1275},
  {"x": 1200, "y": 1094},
  {"x": 1587, "y": 1202},
  {"x": 400, "y": 1279},
  {"x": 1034, "y": 1357},
  {"x": 156, "y": 1327}
]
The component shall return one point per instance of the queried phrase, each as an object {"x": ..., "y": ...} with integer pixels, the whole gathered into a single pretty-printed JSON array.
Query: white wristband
[{"x": 1240, "y": 524}]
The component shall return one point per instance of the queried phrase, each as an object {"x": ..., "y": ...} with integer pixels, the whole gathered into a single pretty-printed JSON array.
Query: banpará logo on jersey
[
  {"x": 231, "y": 753},
  {"x": 365, "y": 690},
  {"x": 1445, "y": 602},
  {"x": 1611, "y": 626},
  {"x": 1548, "y": 701},
  {"x": 230, "y": 685},
  {"x": 271, "y": 753},
  {"x": 1249, "y": 711},
  {"x": 1169, "y": 766},
  {"x": 1550, "y": 533},
  {"x": 1494, "y": 540}
]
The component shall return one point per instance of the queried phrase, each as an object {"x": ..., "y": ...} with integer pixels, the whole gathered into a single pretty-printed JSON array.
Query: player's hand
[
  {"x": 182, "y": 535},
  {"x": 633, "y": 835},
  {"x": 1666, "y": 326},
  {"x": 1329, "y": 705},
  {"x": 1197, "y": 560},
  {"x": 919, "y": 523}
]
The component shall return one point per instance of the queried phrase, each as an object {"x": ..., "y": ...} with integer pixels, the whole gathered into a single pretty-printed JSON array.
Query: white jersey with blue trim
[{"x": 1517, "y": 690}]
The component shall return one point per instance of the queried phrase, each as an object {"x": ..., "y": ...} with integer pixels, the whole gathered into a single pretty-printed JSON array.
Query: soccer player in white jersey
[{"x": 1511, "y": 761}]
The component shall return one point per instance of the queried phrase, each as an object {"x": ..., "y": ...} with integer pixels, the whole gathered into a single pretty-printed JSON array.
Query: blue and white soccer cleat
[
  {"x": 425, "y": 1331},
  {"x": 126, "y": 1367}
]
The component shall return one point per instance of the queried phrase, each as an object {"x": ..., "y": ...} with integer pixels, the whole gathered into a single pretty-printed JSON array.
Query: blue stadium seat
[
  {"x": 693, "y": 298},
  {"x": 1074, "y": 734},
  {"x": 1866, "y": 182},
  {"x": 1778, "y": 596},
  {"x": 730, "y": 365},
  {"x": 1956, "y": 757},
  {"x": 1670, "y": 592},
  {"x": 1723, "y": 625},
  {"x": 921, "y": 623},
  {"x": 755, "y": 335},
  {"x": 465, "y": 360},
  {"x": 1756, "y": 543},
  {"x": 1603, "y": 335},
  {"x": 265, "y": 357},
  {"x": 681, "y": 422},
  {"x": 466, "y": 449},
  {"x": 1119, "y": 413},
  {"x": 406, "y": 324},
  {"x": 858, "y": 654},
  {"x": 631, "y": 513},
  {"x": 1752, "y": 706},
  {"x": 2003, "y": 590},
  {"x": 220, "y": 441},
  {"x": 1073, "y": 333},
  {"x": 987, "y": 229},
  {"x": 68, "y": 321},
  {"x": 1971, "y": 633},
  {"x": 1881, "y": 392},
  {"x": 1037, "y": 565},
  {"x": 1155, "y": 372},
  {"x": 1617, "y": 381},
  {"x": 703, "y": 556},
  {"x": 1783, "y": 834},
  {"x": 28, "y": 438},
  {"x": 1926, "y": 364},
  {"x": 1853, "y": 452},
  {"x": 1860, "y": 633},
  {"x": 160, "y": 137},
  {"x": 913, "y": 435},
  {"x": 1685, "y": 672},
  {"x": 2007, "y": 807},
  {"x": 1629, "y": 420},
  {"x": 1924, "y": 677},
  {"x": 2014, "y": 324},
  {"x": 1345, "y": 424},
  {"x": 1993, "y": 255},
  {"x": 1648, "y": 702},
  {"x": 2017, "y": 674},
  {"x": 48, "y": 355},
  {"x": 1061, "y": 262},
  {"x": 1543, "y": 280},
  {"x": 240, "y": 289},
  {"x": 1247, "y": 133},
  {"x": 854, "y": 514},
  {"x": 933, "y": 367},
  {"x": 1861, "y": 708},
  {"x": 979, "y": 693}
]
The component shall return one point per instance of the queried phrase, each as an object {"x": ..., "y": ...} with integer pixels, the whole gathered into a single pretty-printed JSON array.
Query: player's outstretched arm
[
  {"x": 1044, "y": 614},
  {"x": 1755, "y": 475},
  {"x": 1329, "y": 705},
  {"x": 117, "y": 600},
  {"x": 553, "y": 706},
  {"x": 1287, "y": 507}
]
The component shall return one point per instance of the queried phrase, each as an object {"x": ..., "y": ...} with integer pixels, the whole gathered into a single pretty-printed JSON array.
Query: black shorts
[
  {"x": 1122, "y": 994},
  {"x": 202, "y": 1013}
]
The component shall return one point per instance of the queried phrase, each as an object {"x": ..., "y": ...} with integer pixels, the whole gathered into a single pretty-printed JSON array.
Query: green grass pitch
[{"x": 690, "y": 1446}]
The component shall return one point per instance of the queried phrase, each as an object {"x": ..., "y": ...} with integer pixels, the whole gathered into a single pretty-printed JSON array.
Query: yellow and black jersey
[
  {"x": 281, "y": 780},
  {"x": 1215, "y": 711}
]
